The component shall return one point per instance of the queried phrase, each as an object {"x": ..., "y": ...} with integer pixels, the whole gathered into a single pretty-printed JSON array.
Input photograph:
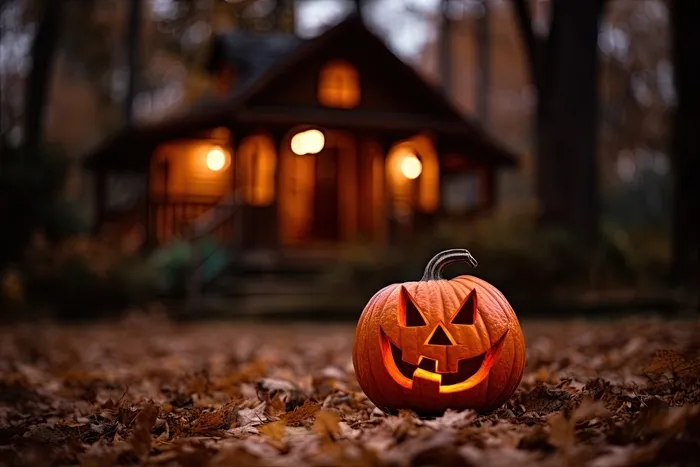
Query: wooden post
[
  {"x": 278, "y": 137},
  {"x": 235, "y": 221},
  {"x": 148, "y": 217},
  {"x": 164, "y": 202},
  {"x": 389, "y": 218}
]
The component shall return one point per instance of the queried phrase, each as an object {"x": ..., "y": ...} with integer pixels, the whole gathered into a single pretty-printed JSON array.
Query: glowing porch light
[
  {"x": 308, "y": 142},
  {"x": 411, "y": 167},
  {"x": 216, "y": 159}
]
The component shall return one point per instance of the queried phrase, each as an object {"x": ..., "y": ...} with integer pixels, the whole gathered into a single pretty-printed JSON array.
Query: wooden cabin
[{"x": 321, "y": 142}]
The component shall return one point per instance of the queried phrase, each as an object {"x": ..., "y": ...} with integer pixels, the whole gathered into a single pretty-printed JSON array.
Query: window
[
  {"x": 461, "y": 193},
  {"x": 256, "y": 170},
  {"x": 339, "y": 85}
]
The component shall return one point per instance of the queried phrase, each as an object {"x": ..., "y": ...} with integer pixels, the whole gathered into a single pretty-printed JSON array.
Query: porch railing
[
  {"x": 174, "y": 217},
  {"x": 221, "y": 221}
]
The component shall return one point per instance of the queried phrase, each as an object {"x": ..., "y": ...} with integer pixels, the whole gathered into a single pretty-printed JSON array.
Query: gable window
[{"x": 339, "y": 85}]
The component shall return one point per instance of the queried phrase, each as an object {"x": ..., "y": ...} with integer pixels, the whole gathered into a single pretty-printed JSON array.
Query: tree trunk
[
  {"x": 445, "y": 50},
  {"x": 685, "y": 144},
  {"x": 42, "y": 52},
  {"x": 133, "y": 34},
  {"x": 564, "y": 69},
  {"x": 567, "y": 119},
  {"x": 483, "y": 53}
]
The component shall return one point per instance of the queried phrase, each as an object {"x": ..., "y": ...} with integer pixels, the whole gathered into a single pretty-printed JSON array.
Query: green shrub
[
  {"x": 81, "y": 278},
  {"x": 528, "y": 262},
  {"x": 31, "y": 199}
]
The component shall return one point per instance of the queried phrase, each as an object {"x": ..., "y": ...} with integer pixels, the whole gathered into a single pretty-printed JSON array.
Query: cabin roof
[
  {"x": 279, "y": 54},
  {"x": 251, "y": 53}
]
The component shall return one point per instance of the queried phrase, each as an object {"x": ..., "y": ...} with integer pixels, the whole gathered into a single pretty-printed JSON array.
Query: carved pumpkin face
[{"x": 437, "y": 344}]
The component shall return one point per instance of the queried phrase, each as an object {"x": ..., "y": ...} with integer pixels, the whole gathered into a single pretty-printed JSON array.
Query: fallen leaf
[
  {"x": 452, "y": 419},
  {"x": 252, "y": 417},
  {"x": 302, "y": 413},
  {"x": 589, "y": 409},
  {"x": 327, "y": 424},
  {"x": 141, "y": 438},
  {"x": 274, "y": 430},
  {"x": 561, "y": 431},
  {"x": 219, "y": 419}
]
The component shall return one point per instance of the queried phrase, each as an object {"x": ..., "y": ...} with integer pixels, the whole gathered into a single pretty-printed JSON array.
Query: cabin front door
[{"x": 326, "y": 197}]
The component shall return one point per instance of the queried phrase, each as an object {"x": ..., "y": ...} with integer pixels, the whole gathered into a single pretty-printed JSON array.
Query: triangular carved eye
[
  {"x": 467, "y": 310},
  {"x": 409, "y": 314}
]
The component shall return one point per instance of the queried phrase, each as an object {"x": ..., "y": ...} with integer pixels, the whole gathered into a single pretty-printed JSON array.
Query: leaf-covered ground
[{"x": 149, "y": 392}]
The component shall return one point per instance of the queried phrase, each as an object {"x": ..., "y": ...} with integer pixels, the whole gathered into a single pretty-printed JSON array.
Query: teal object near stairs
[
  {"x": 175, "y": 260},
  {"x": 214, "y": 259}
]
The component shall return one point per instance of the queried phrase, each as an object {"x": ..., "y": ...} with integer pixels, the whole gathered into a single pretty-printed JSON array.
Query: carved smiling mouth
[{"x": 470, "y": 371}]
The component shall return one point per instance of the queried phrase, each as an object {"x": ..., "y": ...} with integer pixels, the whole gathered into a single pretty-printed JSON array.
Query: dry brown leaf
[
  {"x": 452, "y": 419},
  {"x": 198, "y": 383},
  {"x": 327, "y": 424},
  {"x": 219, "y": 419},
  {"x": 673, "y": 362},
  {"x": 252, "y": 417},
  {"x": 561, "y": 431},
  {"x": 141, "y": 436},
  {"x": 589, "y": 409},
  {"x": 274, "y": 430},
  {"x": 60, "y": 400},
  {"x": 302, "y": 413}
]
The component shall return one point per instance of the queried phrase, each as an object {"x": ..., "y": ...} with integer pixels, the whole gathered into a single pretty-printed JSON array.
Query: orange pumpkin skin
[{"x": 439, "y": 344}]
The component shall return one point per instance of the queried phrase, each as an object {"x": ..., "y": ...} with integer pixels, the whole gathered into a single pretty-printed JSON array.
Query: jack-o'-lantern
[{"x": 439, "y": 344}]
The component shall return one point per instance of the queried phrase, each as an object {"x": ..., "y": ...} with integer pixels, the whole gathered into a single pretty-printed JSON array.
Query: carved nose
[{"x": 440, "y": 336}]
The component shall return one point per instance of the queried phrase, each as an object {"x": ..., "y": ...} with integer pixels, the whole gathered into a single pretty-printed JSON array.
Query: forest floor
[{"x": 146, "y": 391}]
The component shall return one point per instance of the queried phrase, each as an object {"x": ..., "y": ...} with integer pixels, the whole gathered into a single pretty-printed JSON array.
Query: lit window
[
  {"x": 339, "y": 85},
  {"x": 256, "y": 172}
]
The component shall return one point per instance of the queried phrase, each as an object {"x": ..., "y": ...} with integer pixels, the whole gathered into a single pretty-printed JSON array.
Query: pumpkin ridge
[
  {"x": 510, "y": 371},
  {"x": 502, "y": 302},
  {"x": 485, "y": 287},
  {"x": 378, "y": 309},
  {"x": 499, "y": 295},
  {"x": 372, "y": 318}
]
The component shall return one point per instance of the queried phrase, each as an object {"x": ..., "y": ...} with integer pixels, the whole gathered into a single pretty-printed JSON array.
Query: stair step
[
  {"x": 299, "y": 306},
  {"x": 232, "y": 285}
]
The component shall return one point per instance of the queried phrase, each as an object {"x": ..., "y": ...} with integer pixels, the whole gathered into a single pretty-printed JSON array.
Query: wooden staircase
[
  {"x": 277, "y": 287},
  {"x": 226, "y": 281}
]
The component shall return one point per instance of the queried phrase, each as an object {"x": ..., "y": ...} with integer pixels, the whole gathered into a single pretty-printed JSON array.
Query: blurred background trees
[{"x": 600, "y": 97}]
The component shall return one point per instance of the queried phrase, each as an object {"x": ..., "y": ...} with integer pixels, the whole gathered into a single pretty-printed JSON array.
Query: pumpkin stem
[{"x": 433, "y": 271}]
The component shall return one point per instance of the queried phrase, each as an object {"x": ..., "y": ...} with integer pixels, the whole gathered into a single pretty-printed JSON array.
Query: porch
[{"x": 292, "y": 188}]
